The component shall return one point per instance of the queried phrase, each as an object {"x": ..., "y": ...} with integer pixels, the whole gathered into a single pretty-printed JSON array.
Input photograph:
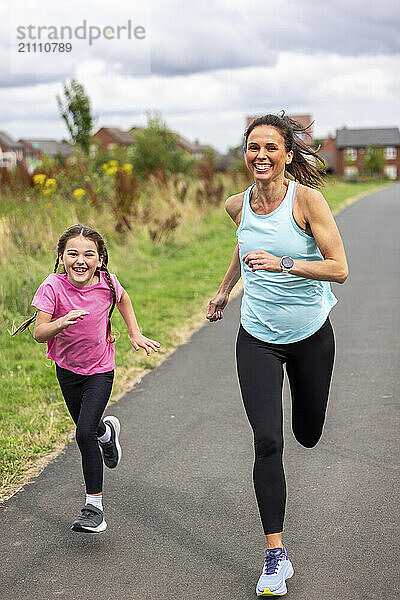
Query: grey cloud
[
  {"x": 9, "y": 80},
  {"x": 188, "y": 38}
]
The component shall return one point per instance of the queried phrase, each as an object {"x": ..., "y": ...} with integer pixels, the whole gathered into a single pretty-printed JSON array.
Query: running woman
[
  {"x": 288, "y": 251},
  {"x": 73, "y": 316}
]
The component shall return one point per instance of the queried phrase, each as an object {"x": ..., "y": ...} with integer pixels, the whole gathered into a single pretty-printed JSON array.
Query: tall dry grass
[{"x": 127, "y": 211}]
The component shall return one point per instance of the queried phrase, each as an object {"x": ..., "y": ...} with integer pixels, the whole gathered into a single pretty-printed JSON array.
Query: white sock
[
  {"x": 106, "y": 437},
  {"x": 96, "y": 501}
]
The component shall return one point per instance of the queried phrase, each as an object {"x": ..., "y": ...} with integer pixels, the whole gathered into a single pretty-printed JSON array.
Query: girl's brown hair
[
  {"x": 91, "y": 234},
  {"x": 302, "y": 168}
]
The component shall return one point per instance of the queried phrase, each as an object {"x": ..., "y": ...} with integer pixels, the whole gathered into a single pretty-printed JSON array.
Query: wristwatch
[{"x": 286, "y": 264}]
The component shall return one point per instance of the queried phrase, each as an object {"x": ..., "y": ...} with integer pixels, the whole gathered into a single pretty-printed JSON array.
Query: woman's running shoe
[
  {"x": 112, "y": 450},
  {"x": 90, "y": 521},
  {"x": 277, "y": 568}
]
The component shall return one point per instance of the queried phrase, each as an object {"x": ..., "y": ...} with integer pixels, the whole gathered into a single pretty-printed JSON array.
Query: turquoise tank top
[{"x": 280, "y": 308}]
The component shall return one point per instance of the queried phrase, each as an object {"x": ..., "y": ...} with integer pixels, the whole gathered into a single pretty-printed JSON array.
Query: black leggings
[
  {"x": 86, "y": 397},
  {"x": 309, "y": 365}
]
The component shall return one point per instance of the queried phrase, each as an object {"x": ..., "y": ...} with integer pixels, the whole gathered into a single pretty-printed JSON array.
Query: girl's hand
[
  {"x": 260, "y": 260},
  {"x": 138, "y": 340},
  {"x": 216, "y": 306},
  {"x": 71, "y": 318}
]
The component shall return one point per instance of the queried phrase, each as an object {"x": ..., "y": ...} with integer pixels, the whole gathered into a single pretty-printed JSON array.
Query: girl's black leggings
[
  {"x": 309, "y": 365},
  {"x": 86, "y": 397}
]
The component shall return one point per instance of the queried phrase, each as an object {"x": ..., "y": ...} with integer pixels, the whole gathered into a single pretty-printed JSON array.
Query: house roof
[
  {"x": 51, "y": 147},
  {"x": 123, "y": 137},
  {"x": 6, "y": 140},
  {"x": 191, "y": 147},
  {"x": 361, "y": 138}
]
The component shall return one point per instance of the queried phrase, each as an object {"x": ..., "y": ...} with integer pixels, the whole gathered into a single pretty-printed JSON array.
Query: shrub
[{"x": 156, "y": 147}]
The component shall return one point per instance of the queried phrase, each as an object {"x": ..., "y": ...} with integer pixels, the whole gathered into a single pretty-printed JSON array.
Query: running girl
[{"x": 73, "y": 316}]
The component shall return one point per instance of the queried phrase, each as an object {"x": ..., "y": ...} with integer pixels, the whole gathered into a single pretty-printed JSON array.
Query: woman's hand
[
  {"x": 138, "y": 340},
  {"x": 71, "y": 318},
  {"x": 260, "y": 260},
  {"x": 216, "y": 306}
]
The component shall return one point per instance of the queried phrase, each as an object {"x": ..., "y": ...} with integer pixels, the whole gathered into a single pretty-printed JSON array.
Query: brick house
[
  {"x": 112, "y": 137},
  {"x": 31, "y": 152},
  {"x": 351, "y": 145},
  {"x": 195, "y": 149},
  {"x": 11, "y": 152},
  {"x": 41, "y": 146},
  {"x": 35, "y": 149},
  {"x": 329, "y": 154}
]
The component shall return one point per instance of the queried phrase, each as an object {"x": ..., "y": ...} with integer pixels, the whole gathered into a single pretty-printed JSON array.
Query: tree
[
  {"x": 75, "y": 109},
  {"x": 211, "y": 157},
  {"x": 156, "y": 147},
  {"x": 374, "y": 160}
]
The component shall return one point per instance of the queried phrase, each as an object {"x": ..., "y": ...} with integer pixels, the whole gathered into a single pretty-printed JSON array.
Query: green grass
[
  {"x": 169, "y": 285},
  {"x": 336, "y": 191}
]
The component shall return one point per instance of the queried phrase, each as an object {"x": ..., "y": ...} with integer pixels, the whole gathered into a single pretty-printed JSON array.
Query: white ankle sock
[
  {"x": 96, "y": 501},
  {"x": 106, "y": 437}
]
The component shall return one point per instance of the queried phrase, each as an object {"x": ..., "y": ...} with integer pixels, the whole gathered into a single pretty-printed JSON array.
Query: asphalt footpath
[{"x": 181, "y": 512}]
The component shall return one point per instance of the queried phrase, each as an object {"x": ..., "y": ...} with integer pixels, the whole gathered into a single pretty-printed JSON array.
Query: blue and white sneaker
[{"x": 277, "y": 568}]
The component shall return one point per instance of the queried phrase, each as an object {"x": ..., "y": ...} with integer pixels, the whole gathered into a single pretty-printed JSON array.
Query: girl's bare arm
[{"x": 45, "y": 328}]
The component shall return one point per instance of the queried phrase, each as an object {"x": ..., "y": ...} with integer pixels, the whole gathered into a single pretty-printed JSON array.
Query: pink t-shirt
[{"x": 81, "y": 348}]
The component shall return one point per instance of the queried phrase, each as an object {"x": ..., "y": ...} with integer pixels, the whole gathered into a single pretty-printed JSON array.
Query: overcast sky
[{"x": 207, "y": 65}]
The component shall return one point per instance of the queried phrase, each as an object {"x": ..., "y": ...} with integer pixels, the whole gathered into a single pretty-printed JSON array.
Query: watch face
[{"x": 287, "y": 262}]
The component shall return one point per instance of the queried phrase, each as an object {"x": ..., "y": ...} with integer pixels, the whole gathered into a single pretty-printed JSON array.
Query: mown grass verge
[{"x": 169, "y": 284}]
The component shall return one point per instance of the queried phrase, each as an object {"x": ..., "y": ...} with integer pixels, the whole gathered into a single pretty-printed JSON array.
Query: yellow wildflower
[
  {"x": 104, "y": 166},
  {"x": 47, "y": 187},
  {"x": 39, "y": 179},
  {"x": 128, "y": 168},
  {"x": 78, "y": 193},
  {"x": 113, "y": 163},
  {"x": 111, "y": 170}
]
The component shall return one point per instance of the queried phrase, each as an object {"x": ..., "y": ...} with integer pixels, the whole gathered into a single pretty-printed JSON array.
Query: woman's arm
[
  {"x": 233, "y": 207},
  {"x": 220, "y": 300},
  {"x": 45, "y": 328},
  {"x": 138, "y": 340},
  {"x": 333, "y": 267}
]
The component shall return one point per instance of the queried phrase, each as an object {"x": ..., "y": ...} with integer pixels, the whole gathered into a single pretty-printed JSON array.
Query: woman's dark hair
[
  {"x": 91, "y": 234},
  {"x": 301, "y": 168}
]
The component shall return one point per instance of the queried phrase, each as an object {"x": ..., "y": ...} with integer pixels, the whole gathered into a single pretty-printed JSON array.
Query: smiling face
[
  {"x": 80, "y": 259},
  {"x": 266, "y": 156}
]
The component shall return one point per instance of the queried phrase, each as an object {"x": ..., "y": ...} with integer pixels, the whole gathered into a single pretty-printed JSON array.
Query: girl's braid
[
  {"x": 28, "y": 322},
  {"x": 114, "y": 297}
]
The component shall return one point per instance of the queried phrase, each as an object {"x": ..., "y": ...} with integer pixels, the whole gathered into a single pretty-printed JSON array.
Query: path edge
[{"x": 133, "y": 376}]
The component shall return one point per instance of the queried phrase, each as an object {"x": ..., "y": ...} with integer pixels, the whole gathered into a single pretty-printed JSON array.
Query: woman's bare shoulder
[
  {"x": 309, "y": 206},
  {"x": 310, "y": 202},
  {"x": 306, "y": 195},
  {"x": 233, "y": 206}
]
